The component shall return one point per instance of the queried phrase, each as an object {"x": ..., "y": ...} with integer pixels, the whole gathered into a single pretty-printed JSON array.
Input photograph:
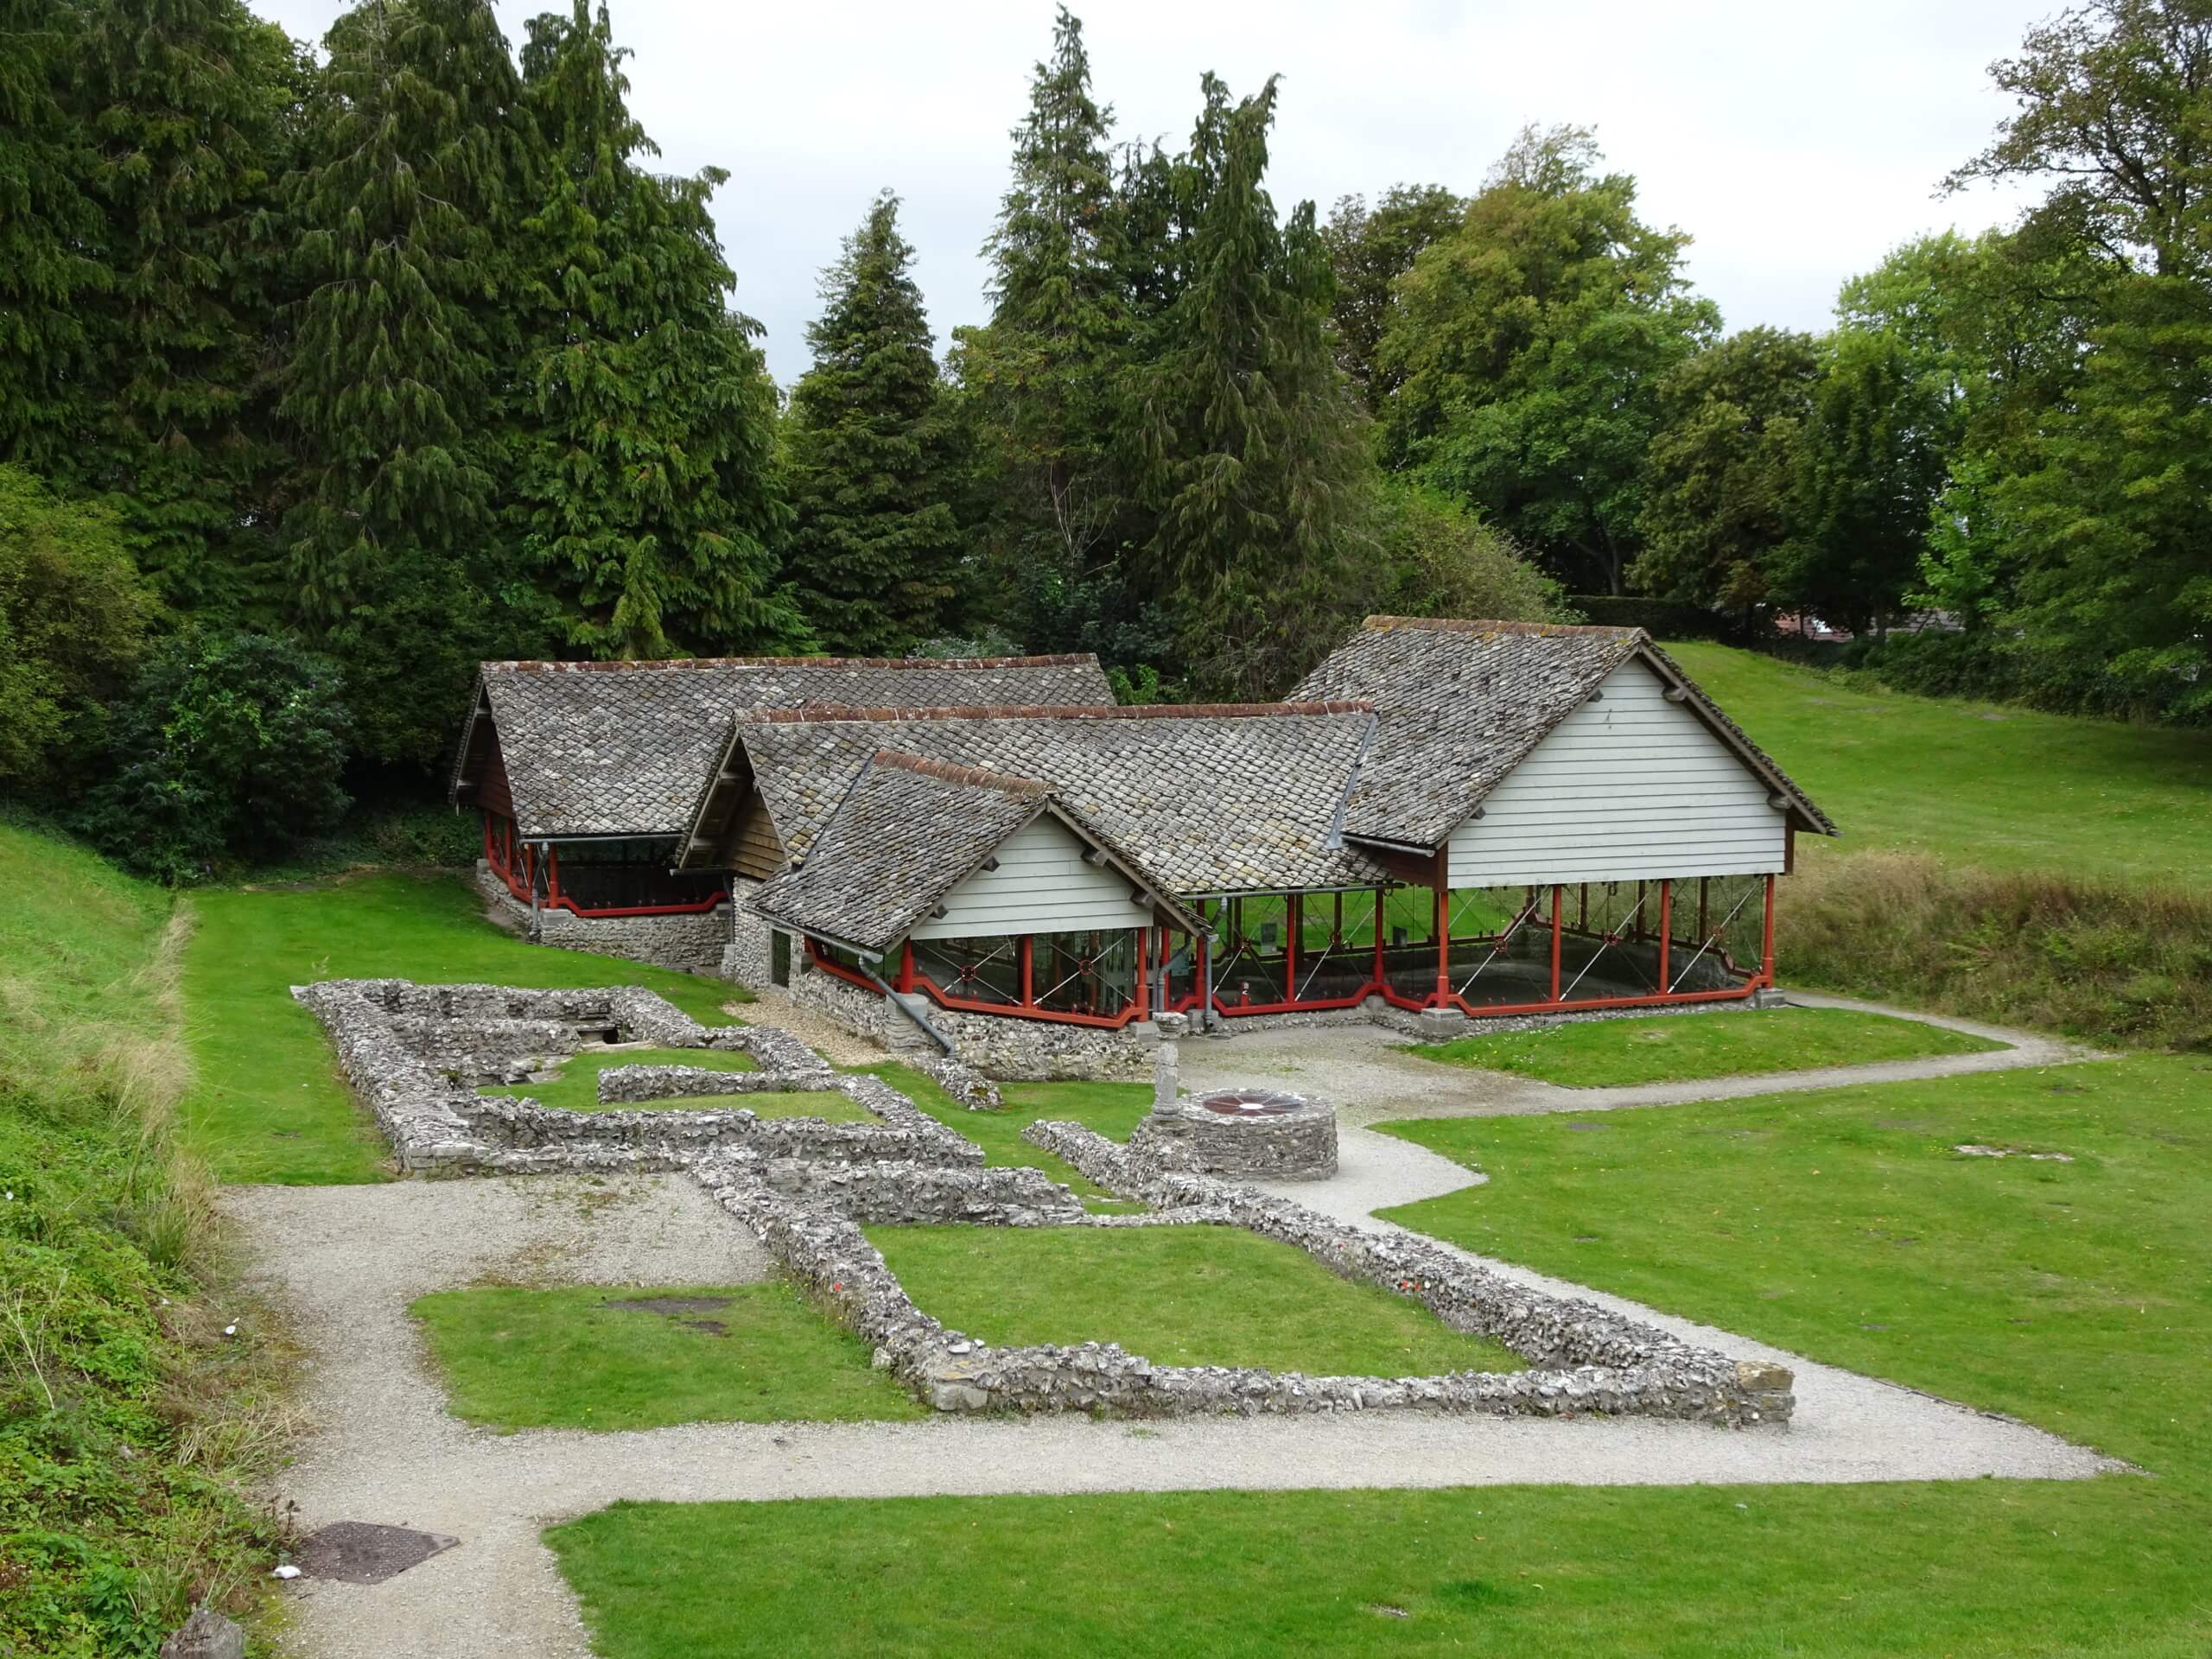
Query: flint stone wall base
[
  {"x": 1295, "y": 1146},
  {"x": 689, "y": 943},
  {"x": 1628, "y": 1365},
  {"x": 397, "y": 1043}
]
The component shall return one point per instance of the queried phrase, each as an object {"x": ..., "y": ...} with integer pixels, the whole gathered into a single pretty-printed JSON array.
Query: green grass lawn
[
  {"x": 1177, "y": 1295},
  {"x": 2077, "y": 1296},
  {"x": 576, "y": 1087},
  {"x": 572, "y": 1358},
  {"x": 267, "y": 1103},
  {"x": 1983, "y": 784},
  {"x": 1112, "y": 1109},
  {"x": 1603, "y": 1054}
]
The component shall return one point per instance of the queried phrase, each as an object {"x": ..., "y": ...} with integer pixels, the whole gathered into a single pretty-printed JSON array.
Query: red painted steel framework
[
  {"x": 1383, "y": 969},
  {"x": 519, "y": 864}
]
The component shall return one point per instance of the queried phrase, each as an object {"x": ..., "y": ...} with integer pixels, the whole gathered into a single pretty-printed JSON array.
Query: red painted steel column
[
  {"x": 1028, "y": 970},
  {"x": 553, "y": 874},
  {"x": 1144, "y": 969},
  {"x": 1704, "y": 931},
  {"x": 907, "y": 966},
  {"x": 1666, "y": 925},
  {"x": 1558, "y": 902},
  {"x": 1766, "y": 948},
  {"x": 1378, "y": 936},
  {"x": 1443, "y": 922},
  {"x": 1294, "y": 924}
]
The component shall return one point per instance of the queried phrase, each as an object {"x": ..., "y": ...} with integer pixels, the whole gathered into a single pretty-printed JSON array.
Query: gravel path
[
  {"x": 345, "y": 1262},
  {"x": 1371, "y": 1077}
]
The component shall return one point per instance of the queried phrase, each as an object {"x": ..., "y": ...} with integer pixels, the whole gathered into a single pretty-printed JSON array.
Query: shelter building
[
  {"x": 1445, "y": 819},
  {"x": 585, "y": 775}
]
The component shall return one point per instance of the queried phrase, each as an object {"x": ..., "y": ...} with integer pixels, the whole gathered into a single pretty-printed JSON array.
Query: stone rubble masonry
[
  {"x": 804, "y": 1186},
  {"x": 689, "y": 942},
  {"x": 1588, "y": 1359},
  {"x": 748, "y": 953},
  {"x": 1295, "y": 1145},
  {"x": 963, "y": 1082},
  {"x": 900, "y": 1193},
  {"x": 414, "y": 1054},
  {"x": 829, "y": 1257}
]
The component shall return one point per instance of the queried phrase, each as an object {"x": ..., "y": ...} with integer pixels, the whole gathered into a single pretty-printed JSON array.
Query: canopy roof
[
  {"x": 1202, "y": 799},
  {"x": 908, "y": 832},
  {"x": 598, "y": 749},
  {"x": 1461, "y": 704}
]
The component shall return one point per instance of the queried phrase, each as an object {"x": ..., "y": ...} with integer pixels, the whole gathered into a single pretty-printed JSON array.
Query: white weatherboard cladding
[
  {"x": 1629, "y": 787},
  {"x": 1043, "y": 884}
]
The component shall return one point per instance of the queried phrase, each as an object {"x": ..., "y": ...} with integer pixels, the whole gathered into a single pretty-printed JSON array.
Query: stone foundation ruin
[{"x": 804, "y": 1186}]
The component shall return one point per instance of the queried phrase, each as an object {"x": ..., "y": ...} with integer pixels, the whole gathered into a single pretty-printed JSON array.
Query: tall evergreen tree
[
  {"x": 185, "y": 104},
  {"x": 875, "y": 550},
  {"x": 645, "y": 429},
  {"x": 399, "y": 354},
  {"x": 1252, "y": 452},
  {"x": 49, "y": 236},
  {"x": 1039, "y": 384}
]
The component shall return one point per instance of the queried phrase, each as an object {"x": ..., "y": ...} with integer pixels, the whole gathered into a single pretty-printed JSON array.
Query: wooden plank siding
[
  {"x": 1043, "y": 884},
  {"x": 1629, "y": 787},
  {"x": 754, "y": 849}
]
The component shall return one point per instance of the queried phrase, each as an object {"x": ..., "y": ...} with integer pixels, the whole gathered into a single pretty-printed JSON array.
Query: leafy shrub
[
  {"x": 2106, "y": 962},
  {"x": 2002, "y": 667},
  {"x": 1440, "y": 559},
  {"x": 229, "y": 744},
  {"x": 74, "y": 616}
]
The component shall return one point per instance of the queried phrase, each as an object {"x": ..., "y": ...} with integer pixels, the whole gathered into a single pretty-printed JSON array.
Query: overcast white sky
[{"x": 1797, "y": 140}]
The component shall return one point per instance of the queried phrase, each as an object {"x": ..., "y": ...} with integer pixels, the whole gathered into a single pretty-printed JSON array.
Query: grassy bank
[
  {"x": 1841, "y": 1225},
  {"x": 267, "y": 1103},
  {"x": 1988, "y": 784},
  {"x": 1605, "y": 1054},
  {"x": 2108, "y": 961},
  {"x": 129, "y": 1422}
]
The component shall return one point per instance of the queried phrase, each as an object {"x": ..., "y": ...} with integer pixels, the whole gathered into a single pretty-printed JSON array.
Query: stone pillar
[{"x": 1171, "y": 1027}]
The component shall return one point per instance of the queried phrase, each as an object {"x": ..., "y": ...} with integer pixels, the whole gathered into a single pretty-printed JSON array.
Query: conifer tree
[
  {"x": 1252, "y": 453},
  {"x": 645, "y": 429},
  {"x": 49, "y": 231},
  {"x": 875, "y": 550},
  {"x": 184, "y": 102},
  {"x": 398, "y": 357}
]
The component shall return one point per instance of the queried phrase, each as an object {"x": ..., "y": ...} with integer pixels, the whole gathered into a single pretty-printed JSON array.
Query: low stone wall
[
  {"x": 829, "y": 1255},
  {"x": 414, "y": 1053},
  {"x": 1293, "y": 1146},
  {"x": 692, "y": 942},
  {"x": 963, "y": 1082},
  {"x": 896, "y": 1193},
  {"x": 1015, "y": 1050},
  {"x": 1593, "y": 1359}
]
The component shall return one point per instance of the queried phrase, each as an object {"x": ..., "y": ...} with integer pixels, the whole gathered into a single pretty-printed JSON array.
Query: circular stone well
[{"x": 1251, "y": 1135}]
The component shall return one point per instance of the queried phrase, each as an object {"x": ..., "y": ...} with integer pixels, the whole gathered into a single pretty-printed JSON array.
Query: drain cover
[{"x": 361, "y": 1552}]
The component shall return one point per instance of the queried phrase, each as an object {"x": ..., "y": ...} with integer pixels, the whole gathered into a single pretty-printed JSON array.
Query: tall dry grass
[{"x": 2121, "y": 963}]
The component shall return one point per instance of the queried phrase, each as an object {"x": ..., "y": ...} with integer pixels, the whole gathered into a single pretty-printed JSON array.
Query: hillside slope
[
  {"x": 127, "y": 1418},
  {"x": 1983, "y": 784}
]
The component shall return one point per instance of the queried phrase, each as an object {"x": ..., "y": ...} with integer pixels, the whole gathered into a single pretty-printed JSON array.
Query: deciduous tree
[{"x": 1530, "y": 345}]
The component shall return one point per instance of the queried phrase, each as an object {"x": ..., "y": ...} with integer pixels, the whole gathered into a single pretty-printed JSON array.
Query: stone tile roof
[
  {"x": 908, "y": 832},
  {"x": 1461, "y": 703},
  {"x": 622, "y": 749},
  {"x": 1200, "y": 799}
]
